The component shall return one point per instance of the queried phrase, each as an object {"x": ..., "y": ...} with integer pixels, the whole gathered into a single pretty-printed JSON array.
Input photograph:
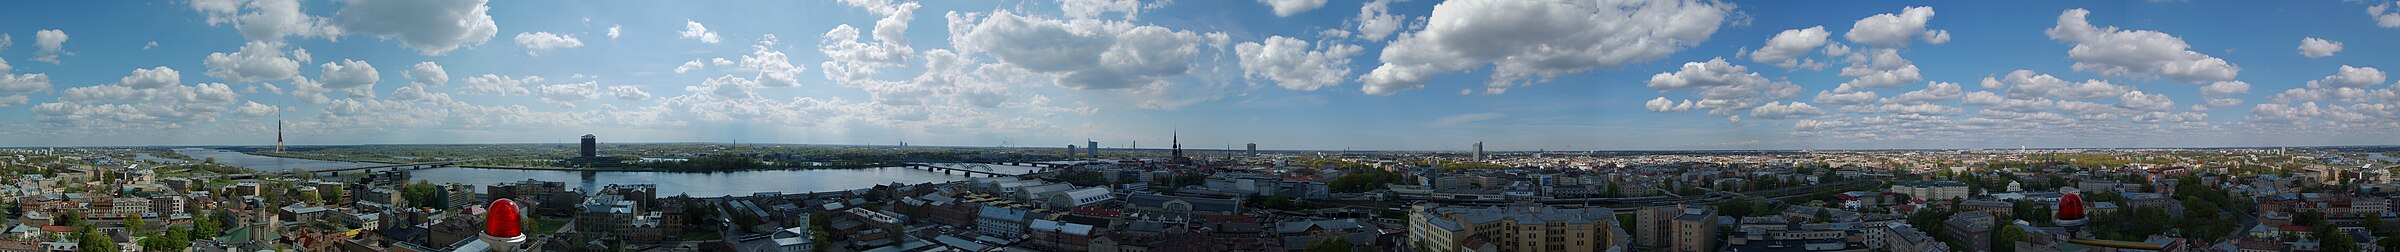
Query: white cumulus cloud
[
  {"x": 48, "y": 45},
  {"x": 1286, "y": 8},
  {"x": 1525, "y": 39},
  {"x": 2318, "y": 48},
  {"x": 629, "y": 93},
  {"x": 428, "y": 74},
  {"x": 348, "y": 74},
  {"x": 1724, "y": 89},
  {"x": 257, "y": 61},
  {"x": 267, "y": 20},
  {"x": 2115, "y": 52},
  {"x": 1292, "y": 64},
  {"x": 1086, "y": 54},
  {"x": 693, "y": 30},
  {"x": 1785, "y": 111},
  {"x": 2384, "y": 15},
  {"x": 689, "y": 66},
  {"x": 1787, "y": 48},
  {"x": 566, "y": 95},
  {"x": 156, "y": 77},
  {"x": 1844, "y": 95},
  {"x": 1376, "y": 20},
  {"x": 1890, "y": 30},
  {"x": 2350, "y": 77},
  {"x": 431, "y": 27},
  {"x": 2224, "y": 88},
  {"x": 536, "y": 42},
  {"x": 496, "y": 85}
]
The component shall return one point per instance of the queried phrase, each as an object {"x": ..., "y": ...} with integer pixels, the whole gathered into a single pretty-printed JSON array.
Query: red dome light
[
  {"x": 2070, "y": 207},
  {"x": 502, "y": 220}
]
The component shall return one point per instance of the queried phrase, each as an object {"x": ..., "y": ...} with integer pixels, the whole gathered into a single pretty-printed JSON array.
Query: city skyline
[{"x": 1287, "y": 75}]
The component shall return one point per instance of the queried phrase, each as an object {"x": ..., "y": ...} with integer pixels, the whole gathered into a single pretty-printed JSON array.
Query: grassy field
[{"x": 548, "y": 226}]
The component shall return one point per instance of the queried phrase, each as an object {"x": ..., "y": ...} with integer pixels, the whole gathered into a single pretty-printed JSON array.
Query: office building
[
  {"x": 1478, "y": 150},
  {"x": 591, "y": 146},
  {"x": 590, "y": 155}
]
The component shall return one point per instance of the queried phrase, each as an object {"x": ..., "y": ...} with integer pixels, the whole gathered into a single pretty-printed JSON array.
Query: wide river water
[{"x": 696, "y": 184}]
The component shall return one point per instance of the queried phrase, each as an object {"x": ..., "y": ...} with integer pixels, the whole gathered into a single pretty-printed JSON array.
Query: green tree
[
  {"x": 210, "y": 225},
  {"x": 1824, "y": 215},
  {"x": 311, "y": 198},
  {"x": 424, "y": 194},
  {"x": 2005, "y": 237},
  {"x": 71, "y": 218},
  {"x": 1737, "y": 207},
  {"x": 334, "y": 194},
  {"x": 1330, "y": 244},
  {"x": 88, "y": 239},
  {"x": 176, "y": 239},
  {"x": 135, "y": 225},
  {"x": 2374, "y": 223},
  {"x": 2332, "y": 240},
  {"x": 822, "y": 223}
]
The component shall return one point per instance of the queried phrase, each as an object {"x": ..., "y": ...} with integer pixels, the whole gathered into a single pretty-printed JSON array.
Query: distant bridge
[
  {"x": 972, "y": 169},
  {"x": 391, "y": 167}
]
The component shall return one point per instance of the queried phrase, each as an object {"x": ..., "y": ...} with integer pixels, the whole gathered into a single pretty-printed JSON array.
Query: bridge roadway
[
  {"x": 971, "y": 169},
  {"x": 399, "y": 166}
]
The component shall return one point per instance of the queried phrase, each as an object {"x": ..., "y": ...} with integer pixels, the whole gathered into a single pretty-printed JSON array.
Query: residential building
[
  {"x": 1006, "y": 223},
  {"x": 1436, "y": 227}
]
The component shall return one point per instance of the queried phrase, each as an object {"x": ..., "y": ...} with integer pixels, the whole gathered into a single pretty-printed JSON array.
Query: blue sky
[{"x": 1298, "y": 74}]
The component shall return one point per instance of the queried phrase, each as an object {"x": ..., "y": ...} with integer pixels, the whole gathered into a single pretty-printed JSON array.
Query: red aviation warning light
[
  {"x": 503, "y": 226},
  {"x": 502, "y": 220},
  {"x": 2070, "y": 208}
]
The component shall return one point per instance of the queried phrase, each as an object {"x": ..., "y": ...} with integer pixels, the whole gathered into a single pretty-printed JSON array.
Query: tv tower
[{"x": 279, "y": 130}]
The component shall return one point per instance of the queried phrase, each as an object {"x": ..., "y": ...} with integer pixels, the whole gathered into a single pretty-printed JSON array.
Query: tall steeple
[{"x": 1176, "y": 138}]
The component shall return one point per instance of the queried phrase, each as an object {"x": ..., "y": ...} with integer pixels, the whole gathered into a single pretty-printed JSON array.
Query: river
[
  {"x": 2380, "y": 156},
  {"x": 697, "y": 184},
  {"x": 264, "y": 163}
]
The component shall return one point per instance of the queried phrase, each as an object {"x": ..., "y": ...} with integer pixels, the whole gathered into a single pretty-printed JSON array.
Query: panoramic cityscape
[{"x": 1152, "y": 125}]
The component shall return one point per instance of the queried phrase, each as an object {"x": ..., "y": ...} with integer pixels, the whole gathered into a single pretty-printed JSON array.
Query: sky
[{"x": 1284, "y": 74}]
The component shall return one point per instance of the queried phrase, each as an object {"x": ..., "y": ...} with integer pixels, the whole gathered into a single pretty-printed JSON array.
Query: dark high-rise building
[
  {"x": 1253, "y": 149},
  {"x": 1070, "y": 151},
  {"x": 591, "y": 146},
  {"x": 590, "y": 155},
  {"x": 1091, "y": 149}
]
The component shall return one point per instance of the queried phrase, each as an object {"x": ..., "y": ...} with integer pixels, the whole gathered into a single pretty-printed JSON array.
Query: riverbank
[
  {"x": 711, "y": 184},
  {"x": 599, "y": 169}
]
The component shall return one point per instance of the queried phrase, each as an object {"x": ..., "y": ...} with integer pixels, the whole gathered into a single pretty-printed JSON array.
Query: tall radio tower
[{"x": 279, "y": 130}]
